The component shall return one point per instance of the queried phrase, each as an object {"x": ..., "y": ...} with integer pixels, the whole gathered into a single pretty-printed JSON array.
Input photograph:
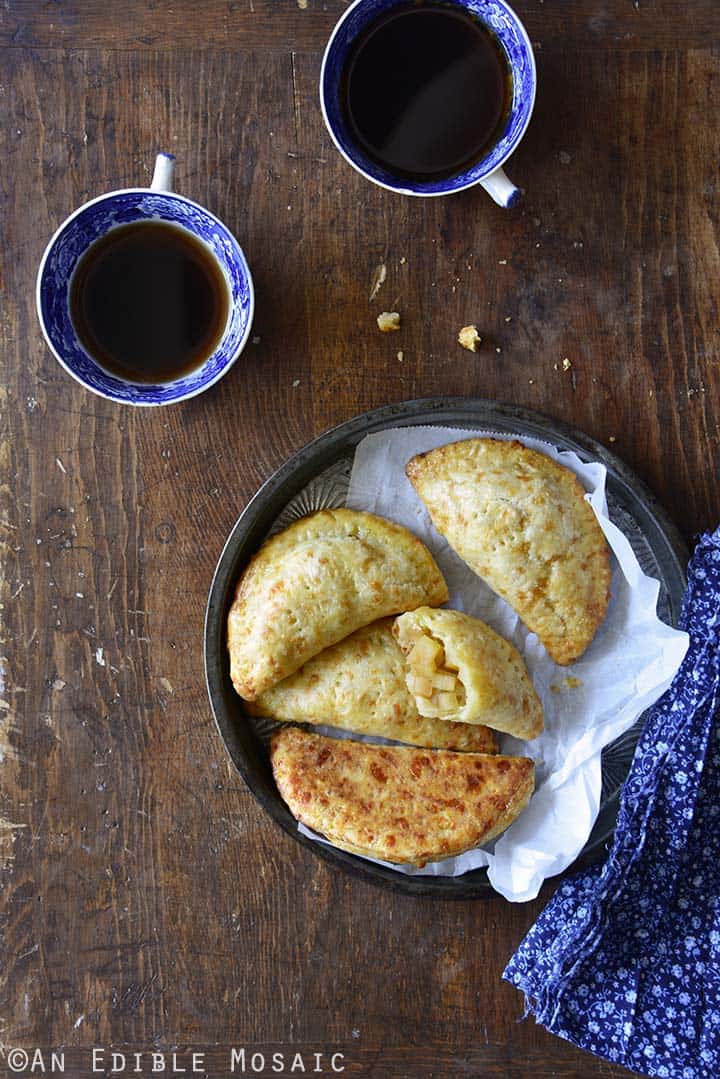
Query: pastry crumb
[
  {"x": 612, "y": 438},
  {"x": 502, "y": 262},
  {"x": 401, "y": 356},
  {"x": 566, "y": 364},
  {"x": 571, "y": 682},
  {"x": 469, "y": 338},
  {"x": 388, "y": 321}
]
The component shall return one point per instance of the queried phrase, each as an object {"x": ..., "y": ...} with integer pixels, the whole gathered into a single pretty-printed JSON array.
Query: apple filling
[{"x": 431, "y": 679}]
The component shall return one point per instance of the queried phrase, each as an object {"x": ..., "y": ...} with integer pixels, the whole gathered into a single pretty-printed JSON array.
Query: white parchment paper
[{"x": 631, "y": 662}]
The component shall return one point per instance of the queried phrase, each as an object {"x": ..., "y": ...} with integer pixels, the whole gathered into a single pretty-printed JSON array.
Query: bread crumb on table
[
  {"x": 566, "y": 364},
  {"x": 388, "y": 321},
  {"x": 469, "y": 338}
]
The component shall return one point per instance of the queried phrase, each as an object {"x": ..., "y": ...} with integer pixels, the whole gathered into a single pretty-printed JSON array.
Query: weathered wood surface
[
  {"x": 146, "y": 899},
  {"x": 281, "y": 25}
]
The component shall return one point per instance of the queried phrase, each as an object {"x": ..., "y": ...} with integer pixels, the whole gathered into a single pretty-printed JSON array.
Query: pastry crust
[
  {"x": 521, "y": 522},
  {"x": 359, "y": 685},
  {"x": 315, "y": 583},
  {"x": 396, "y": 803},
  {"x": 495, "y": 686}
]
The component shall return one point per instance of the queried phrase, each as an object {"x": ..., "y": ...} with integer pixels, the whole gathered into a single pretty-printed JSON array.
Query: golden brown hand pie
[
  {"x": 315, "y": 583},
  {"x": 521, "y": 522},
  {"x": 459, "y": 669},
  {"x": 398, "y": 803},
  {"x": 359, "y": 685}
]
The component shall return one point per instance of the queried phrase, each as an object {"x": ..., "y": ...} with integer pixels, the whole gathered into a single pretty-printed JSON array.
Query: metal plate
[{"x": 317, "y": 477}]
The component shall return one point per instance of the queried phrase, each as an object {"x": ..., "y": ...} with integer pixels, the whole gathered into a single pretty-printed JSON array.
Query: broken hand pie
[
  {"x": 461, "y": 670},
  {"x": 521, "y": 522},
  {"x": 315, "y": 583},
  {"x": 360, "y": 685},
  {"x": 397, "y": 803}
]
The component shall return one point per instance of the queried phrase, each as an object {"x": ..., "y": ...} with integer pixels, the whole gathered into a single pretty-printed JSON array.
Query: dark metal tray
[{"x": 316, "y": 477}]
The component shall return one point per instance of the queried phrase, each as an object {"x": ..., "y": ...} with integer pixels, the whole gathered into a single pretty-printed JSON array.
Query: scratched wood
[
  {"x": 146, "y": 899},
  {"x": 281, "y": 25}
]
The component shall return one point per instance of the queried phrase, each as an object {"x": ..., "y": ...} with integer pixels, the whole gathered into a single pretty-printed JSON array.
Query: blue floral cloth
[{"x": 625, "y": 960}]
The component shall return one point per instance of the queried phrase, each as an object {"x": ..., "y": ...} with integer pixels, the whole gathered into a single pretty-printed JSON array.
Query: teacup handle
[
  {"x": 499, "y": 188},
  {"x": 163, "y": 173}
]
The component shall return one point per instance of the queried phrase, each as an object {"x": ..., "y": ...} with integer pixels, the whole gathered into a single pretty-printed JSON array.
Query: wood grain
[
  {"x": 283, "y": 25},
  {"x": 146, "y": 898}
]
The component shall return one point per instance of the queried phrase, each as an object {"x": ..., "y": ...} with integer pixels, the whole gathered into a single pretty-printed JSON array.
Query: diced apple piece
[
  {"x": 446, "y": 702},
  {"x": 426, "y": 654},
  {"x": 444, "y": 680},
  {"x": 420, "y": 686},
  {"x": 412, "y": 634}
]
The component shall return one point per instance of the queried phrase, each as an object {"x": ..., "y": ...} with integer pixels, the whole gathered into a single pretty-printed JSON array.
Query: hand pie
[
  {"x": 521, "y": 522},
  {"x": 459, "y": 669},
  {"x": 398, "y": 803},
  {"x": 317, "y": 582},
  {"x": 359, "y": 685}
]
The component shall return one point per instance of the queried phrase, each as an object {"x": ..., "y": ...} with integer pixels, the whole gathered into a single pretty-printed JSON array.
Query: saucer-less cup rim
[
  {"x": 493, "y": 179},
  {"x": 144, "y": 388}
]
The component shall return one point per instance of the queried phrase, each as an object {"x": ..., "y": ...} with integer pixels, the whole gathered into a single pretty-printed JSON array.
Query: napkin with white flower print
[{"x": 625, "y": 960}]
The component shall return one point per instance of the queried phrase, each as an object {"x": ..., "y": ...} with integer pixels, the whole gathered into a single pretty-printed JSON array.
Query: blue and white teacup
[
  {"x": 502, "y": 21},
  {"x": 95, "y": 219}
]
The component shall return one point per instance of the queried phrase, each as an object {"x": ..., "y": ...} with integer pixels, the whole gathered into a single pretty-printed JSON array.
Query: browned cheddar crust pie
[
  {"x": 359, "y": 685},
  {"x": 521, "y": 522},
  {"x": 315, "y": 583},
  {"x": 397, "y": 803}
]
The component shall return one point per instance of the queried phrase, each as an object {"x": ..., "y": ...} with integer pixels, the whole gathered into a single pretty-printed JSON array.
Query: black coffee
[
  {"x": 426, "y": 90},
  {"x": 149, "y": 302}
]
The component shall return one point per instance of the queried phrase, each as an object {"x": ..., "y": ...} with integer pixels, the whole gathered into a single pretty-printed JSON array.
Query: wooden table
[{"x": 147, "y": 900}]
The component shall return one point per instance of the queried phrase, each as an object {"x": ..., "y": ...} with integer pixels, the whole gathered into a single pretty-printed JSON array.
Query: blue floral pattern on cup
[
  {"x": 94, "y": 220},
  {"x": 511, "y": 34}
]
